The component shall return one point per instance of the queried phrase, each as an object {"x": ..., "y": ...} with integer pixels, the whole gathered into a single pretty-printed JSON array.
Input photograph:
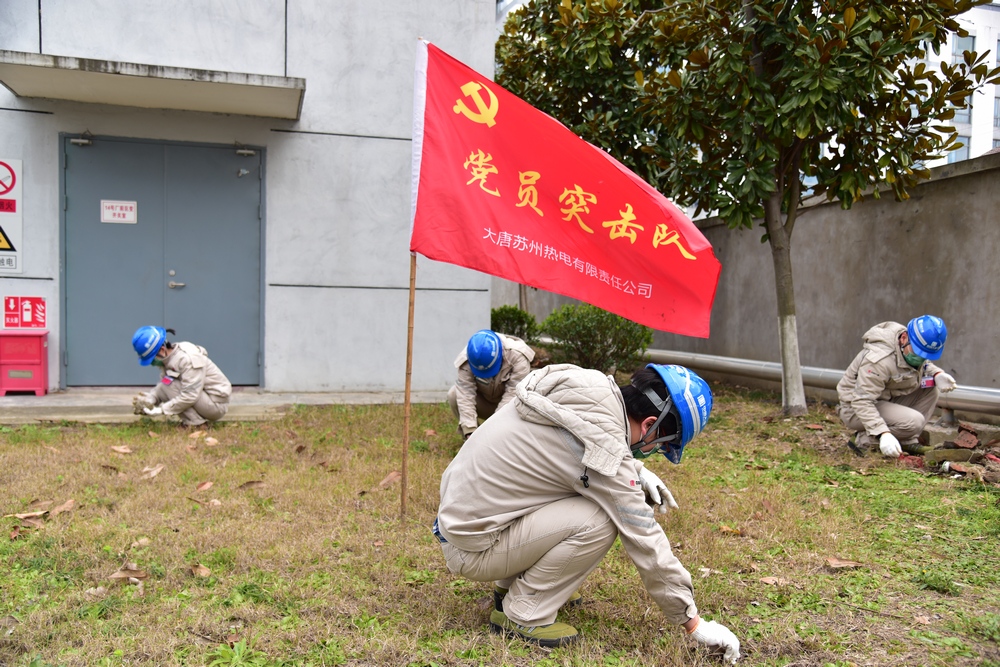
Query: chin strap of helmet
[{"x": 665, "y": 407}]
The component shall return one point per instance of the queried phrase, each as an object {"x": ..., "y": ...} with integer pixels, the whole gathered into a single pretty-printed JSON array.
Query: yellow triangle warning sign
[{"x": 5, "y": 244}]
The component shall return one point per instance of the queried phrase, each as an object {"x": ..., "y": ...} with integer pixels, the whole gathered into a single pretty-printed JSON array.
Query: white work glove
[
  {"x": 889, "y": 445},
  {"x": 944, "y": 382},
  {"x": 657, "y": 491},
  {"x": 141, "y": 401},
  {"x": 152, "y": 412},
  {"x": 718, "y": 637}
]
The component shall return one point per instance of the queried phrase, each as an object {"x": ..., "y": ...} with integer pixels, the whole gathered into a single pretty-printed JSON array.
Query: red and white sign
[
  {"x": 24, "y": 312},
  {"x": 11, "y": 215},
  {"x": 502, "y": 188},
  {"x": 123, "y": 212}
]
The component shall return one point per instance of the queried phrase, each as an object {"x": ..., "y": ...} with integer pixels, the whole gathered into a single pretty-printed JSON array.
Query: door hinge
[
  {"x": 259, "y": 360},
  {"x": 65, "y": 358}
]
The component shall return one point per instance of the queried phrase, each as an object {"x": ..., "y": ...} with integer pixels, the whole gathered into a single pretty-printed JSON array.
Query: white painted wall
[{"x": 337, "y": 186}]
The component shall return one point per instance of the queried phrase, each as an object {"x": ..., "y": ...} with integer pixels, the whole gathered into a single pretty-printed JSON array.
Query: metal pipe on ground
[{"x": 972, "y": 399}]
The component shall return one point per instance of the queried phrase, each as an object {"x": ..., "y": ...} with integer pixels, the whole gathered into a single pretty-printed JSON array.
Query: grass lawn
[{"x": 274, "y": 544}]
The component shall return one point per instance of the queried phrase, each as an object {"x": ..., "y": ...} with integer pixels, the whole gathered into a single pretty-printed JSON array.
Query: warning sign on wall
[
  {"x": 11, "y": 212},
  {"x": 24, "y": 312}
]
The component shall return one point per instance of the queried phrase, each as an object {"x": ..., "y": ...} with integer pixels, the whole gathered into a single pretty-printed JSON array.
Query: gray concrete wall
[
  {"x": 337, "y": 185},
  {"x": 881, "y": 260}
]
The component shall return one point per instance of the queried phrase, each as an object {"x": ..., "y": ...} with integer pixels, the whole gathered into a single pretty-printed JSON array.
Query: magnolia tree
[{"x": 734, "y": 106}]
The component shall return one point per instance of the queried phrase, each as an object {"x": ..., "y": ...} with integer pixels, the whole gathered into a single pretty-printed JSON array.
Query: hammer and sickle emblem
[{"x": 485, "y": 113}]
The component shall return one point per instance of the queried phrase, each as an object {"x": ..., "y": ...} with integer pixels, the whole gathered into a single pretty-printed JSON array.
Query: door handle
[{"x": 173, "y": 285}]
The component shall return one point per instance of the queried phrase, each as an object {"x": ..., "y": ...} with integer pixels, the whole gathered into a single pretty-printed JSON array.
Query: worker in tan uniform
[
  {"x": 191, "y": 385},
  {"x": 536, "y": 497},
  {"x": 891, "y": 388},
  {"x": 489, "y": 368}
]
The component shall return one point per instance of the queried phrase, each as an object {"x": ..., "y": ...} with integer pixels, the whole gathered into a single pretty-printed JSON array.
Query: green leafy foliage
[
  {"x": 593, "y": 338},
  {"x": 513, "y": 321},
  {"x": 743, "y": 109}
]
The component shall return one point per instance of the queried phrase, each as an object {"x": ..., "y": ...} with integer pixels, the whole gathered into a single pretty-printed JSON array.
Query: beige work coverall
[
  {"x": 472, "y": 399},
  {"x": 192, "y": 386},
  {"x": 880, "y": 392},
  {"x": 538, "y": 494}
]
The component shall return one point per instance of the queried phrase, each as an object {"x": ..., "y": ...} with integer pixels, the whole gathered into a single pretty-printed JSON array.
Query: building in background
[
  {"x": 237, "y": 171},
  {"x": 979, "y": 126}
]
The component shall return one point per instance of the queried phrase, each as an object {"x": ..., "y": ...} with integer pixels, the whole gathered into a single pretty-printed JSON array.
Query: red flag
[{"x": 502, "y": 188}]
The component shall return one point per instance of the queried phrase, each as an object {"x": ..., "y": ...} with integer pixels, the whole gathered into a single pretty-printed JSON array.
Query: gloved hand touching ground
[
  {"x": 945, "y": 382},
  {"x": 657, "y": 491},
  {"x": 141, "y": 401},
  {"x": 719, "y": 637},
  {"x": 152, "y": 412},
  {"x": 889, "y": 445}
]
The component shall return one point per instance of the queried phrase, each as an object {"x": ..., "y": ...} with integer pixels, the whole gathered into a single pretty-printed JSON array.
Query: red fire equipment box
[{"x": 24, "y": 361}]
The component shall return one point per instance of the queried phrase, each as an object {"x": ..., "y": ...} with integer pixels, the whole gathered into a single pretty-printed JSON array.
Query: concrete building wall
[
  {"x": 337, "y": 184},
  {"x": 882, "y": 260}
]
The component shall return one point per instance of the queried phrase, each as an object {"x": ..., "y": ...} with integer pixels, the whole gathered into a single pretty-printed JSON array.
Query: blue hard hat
[
  {"x": 147, "y": 341},
  {"x": 485, "y": 352},
  {"x": 927, "y": 334},
  {"x": 690, "y": 403}
]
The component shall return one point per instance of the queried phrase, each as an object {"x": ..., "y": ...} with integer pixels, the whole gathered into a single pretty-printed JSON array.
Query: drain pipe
[{"x": 971, "y": 399}]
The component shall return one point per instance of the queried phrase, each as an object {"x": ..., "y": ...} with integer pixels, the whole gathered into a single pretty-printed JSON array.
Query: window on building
[
  {"x": 996, "y": 143},
  {"x": 963, "y": 115},
  {"x": 996, "y": 112},
  {"x": 961, "y": 153},
  {"x": 960, "y": 45}
]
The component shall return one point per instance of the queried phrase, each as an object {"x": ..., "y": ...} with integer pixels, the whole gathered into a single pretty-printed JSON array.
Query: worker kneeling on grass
[
  {"x": 538, "y": 494},
  {"x": 191, "y": 385}
]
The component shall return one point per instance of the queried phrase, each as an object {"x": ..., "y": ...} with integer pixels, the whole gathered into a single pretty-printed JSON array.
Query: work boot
[
  {"x": 499, "y": 593},
  {"x": 551, "y": 635}
]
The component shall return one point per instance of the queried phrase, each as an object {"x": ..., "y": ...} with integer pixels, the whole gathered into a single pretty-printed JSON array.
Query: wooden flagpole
[{"x": 406, "y": 392}]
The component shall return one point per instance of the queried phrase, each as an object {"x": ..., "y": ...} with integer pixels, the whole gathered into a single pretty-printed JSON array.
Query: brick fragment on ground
[
  {"x": 966, "y": 440},
  {"x": 911, "y": 461}
]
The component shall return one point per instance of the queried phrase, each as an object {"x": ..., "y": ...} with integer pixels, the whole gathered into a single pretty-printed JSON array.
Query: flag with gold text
[{"x": 503, "y": 188}]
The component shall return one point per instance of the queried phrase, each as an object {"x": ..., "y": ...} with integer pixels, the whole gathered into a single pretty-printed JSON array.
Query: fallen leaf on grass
[
  {"x": 923, "y": 620},
  {"x": 211, "y": 442},
  {"x": 814, "y": 427},
  {"x": 215, "y": 502},
  {"x": 840, "y": 563},
  {"x": 141, "y": 542},
  {"x": 65, "y": 507},
  {"x": 122, "y": 449},
  {"x": 705, "y": 571},
  {"x": 726, "y": 530},
  {"x": 429, "y": 432},
  {"x": 391, "y": 478},
  {"x": 205, "y": 485},
  {"x": 299, "y": 449},
  {"x": 252, "y": 484},
  {"x": 53, "y": 450},
  {"x": 39, "y": 504},
  {"x": 774, "y": 581},
  {"x": 109, "y": 468},
  {"x": 195, "y": 500},
  {"x": 16, "y": 533},
  {"x": 153, "y": 434},
  {"x": 129, "y": 573},
  {"x": 378, "y": 543},
  {"x": 200, "y": 570},
  {"x": 95, "y": 593},
  {"x": 31, "y": 523},
  {"x": 26, "y": 515},
  {"x": 196, "y": 434},
  {"x": 191, "y": 449},
  {"x": 150, "y": 473}
]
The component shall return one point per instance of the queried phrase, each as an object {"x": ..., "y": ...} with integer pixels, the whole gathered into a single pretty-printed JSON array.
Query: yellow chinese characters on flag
[{"x": 503, "y": 188}]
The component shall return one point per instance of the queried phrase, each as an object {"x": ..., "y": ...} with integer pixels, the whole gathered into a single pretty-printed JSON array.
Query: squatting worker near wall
[
  {"x": 190, "y": 385},
  {"x": 891, "y": 388},
  {"x": 489, "y": 368},
  {"x": 538, "y": 494}
]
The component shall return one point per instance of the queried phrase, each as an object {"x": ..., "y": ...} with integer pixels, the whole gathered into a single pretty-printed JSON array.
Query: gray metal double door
[{"x": 160, "y": 234}]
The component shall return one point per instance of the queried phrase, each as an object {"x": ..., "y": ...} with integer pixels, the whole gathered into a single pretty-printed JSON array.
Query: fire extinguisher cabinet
[{"x": 24, "y": 361}]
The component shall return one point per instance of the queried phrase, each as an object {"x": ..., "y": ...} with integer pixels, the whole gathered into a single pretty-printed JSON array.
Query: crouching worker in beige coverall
[
  {"x": 489, "y": 368},
  {"x": 891, "y": 388},
  {"x": 190, "y": 386},
  {"x": 536, "y": 497}
]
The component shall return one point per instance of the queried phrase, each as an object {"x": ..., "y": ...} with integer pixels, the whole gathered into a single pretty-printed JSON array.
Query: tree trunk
[{"x": 793, "y": 394}]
